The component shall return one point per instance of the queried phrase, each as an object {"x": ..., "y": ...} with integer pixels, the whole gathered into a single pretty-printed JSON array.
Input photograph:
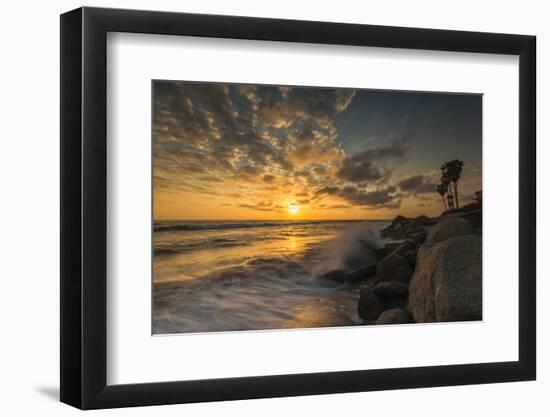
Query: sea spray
[{"x": 353, "y": 249}]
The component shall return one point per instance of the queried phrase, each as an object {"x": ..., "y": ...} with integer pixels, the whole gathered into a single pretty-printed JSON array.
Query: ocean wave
[
  {"x": 250, "y": 289},
  {"x": 183, "y": 247},
  {"x": 159, "y": 227},
  {"x": 262, "y": 293}
]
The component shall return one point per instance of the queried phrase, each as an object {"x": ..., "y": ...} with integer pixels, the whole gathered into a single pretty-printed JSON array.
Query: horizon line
[{"x": 271, "y": 220}]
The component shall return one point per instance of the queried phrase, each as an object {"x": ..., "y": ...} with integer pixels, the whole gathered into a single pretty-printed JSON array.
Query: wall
[{"x": 29, "y": 211}]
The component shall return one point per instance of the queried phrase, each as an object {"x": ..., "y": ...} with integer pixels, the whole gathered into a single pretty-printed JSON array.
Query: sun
[{"x": 293, "y": 208}]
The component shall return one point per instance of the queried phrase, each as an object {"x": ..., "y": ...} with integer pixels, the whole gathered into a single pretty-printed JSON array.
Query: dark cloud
[
  {"x": 336, "y": 206},
  {"x": 358, "y": 169},
  {"x": 262, "y": 206},
  {"x": 250, "y": 170},
  {"x": 365, "y": 166},
  {"x": 417, "y": 184},
  {"x": 255, "y": 207},
  {"x": 399, "y": 149},
  {"x": 360, "y": 197}
]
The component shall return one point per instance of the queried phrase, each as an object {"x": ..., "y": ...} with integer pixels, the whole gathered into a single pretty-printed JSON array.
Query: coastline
[
  {"x": 428, "y": 271},
  {"x": 297, "y": 275}
]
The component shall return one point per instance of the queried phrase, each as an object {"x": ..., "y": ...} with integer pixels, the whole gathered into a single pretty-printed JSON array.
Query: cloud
[
  {"x": 313, "y": 106},
  {"x": 378, "y": 198},
  {"x": 275, "y": 117},
  {"x": 255, "y": 207},
  {"x": 336, "y": 206},
  {"x": 266, "y": 142},
  {"x": 417, "y": 184},
  {"x": 262, "y": 206},
  {"x": 344, "y": 99},
  {"x": 399, "y": 149},
  {"x": 226, "y": 131},
  {"x": 357, "y": 169},
  {"x": 367, "y": 166}
]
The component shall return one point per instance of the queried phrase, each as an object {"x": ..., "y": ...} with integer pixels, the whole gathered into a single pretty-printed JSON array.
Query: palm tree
[
  {"x": 453, "y": 171},
  {"x": 442, "y": 190},
  {"x": 445, "y": 180},
  {"x": 450, "y": 200}
]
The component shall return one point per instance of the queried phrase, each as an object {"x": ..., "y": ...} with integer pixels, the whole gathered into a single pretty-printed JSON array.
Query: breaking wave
[{"x": 190, "y": 226}]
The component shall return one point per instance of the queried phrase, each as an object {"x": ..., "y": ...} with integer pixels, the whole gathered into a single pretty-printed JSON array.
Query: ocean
[{"x": 257, "y": 275}]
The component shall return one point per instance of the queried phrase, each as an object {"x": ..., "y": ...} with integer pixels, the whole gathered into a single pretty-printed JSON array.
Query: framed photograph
[{"x": 257, "y": 208}]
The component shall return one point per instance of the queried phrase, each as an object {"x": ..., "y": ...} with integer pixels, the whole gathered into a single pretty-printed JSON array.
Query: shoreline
[
  {"x": 383, "y": 291},
  {"x": 430, "y": 271}
]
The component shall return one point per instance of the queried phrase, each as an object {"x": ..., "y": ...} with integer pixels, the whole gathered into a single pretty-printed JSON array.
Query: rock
[
  {"x": 419, "y": 237},
  {"x": 391, "y": 233},
  {"x": 475, "y": 218},
  {"x": 394, "y": 267},
  {"x": 370, "y": 305},
  {"x": 404, "y": 247},
  {"x": 446, "y": 285},
  {"x": 386, "y": 250},
  {"x": 399, "y": 220},
  {"x": 395, "y": 316},
  {"x": 392, "y": 290},
  {"x": 362, "y": 274},
  {"x": 396, "y": 228},
  {"x": 408, "y": 250},
  {"x": 449, "y": 227},
  {"x": 336, "y": 275},
  {"x": 410, "y": 230},
  {"x": 421, "y": 221}
]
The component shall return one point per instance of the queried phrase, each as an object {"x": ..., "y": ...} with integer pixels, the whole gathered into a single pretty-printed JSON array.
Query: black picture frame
[{"x": 84, "y": 207}]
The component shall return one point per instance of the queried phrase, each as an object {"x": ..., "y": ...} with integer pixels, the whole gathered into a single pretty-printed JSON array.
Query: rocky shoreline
[{"x": 428, "y": 271}]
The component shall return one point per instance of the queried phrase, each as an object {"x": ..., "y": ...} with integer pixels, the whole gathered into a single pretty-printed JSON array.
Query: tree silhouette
[
  {"x": 453, "y": 170},
  {"x": 445, "y": 181},
  {"x": 442, "y": 190},
  {"x": 450, "y": 174}
]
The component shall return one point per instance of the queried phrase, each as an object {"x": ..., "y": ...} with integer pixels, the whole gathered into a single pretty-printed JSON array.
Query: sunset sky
[{"x": 234, "y": 151}]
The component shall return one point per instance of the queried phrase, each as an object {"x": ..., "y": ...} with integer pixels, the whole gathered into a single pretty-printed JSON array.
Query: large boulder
[
  {"x": 475, "y": 218},
  {"x": 387, "y": 249},
  {"x": 394, "y": 267},
  {"x": 446, "y": 285},
  {"x": 411, "y": 230},
  {"x": 392, "y": 290},
  {"x": 449, "y": 227},
  {"x": 370, "y": 305},
  {"x": 421, "y": 221},
  {"x": 408, "y": 250},
  {"x": 419, "y": 237},
  {"x": 362, "y": 274},
  {"x": 395, "y": 316}
]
